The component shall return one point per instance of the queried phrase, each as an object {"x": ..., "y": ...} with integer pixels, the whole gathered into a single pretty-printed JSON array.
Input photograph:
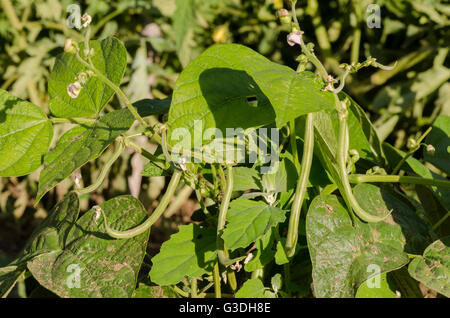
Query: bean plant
[{"x": 297, "y": 195}]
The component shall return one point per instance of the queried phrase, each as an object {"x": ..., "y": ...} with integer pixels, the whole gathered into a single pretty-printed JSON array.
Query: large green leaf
[
  {"x": 110, "y": 58},
  {"x": 50, "y": 235},
  {"x": 80, "y": 145},
  {"x": 91, "y": 264},
  {"x": 248, "y": 221},
  {"x": 439, "y": 137},
  {"x": 190, "y": 252},
  {"x": 341, "y": 254},
  {"x": 433, "y": 269},
  {"x": 25, "y": 135},
  {"x": 232, "y": 86}
]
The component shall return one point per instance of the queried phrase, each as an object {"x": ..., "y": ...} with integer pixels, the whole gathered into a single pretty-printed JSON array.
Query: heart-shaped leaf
[
  {"x": 91, "y": 264},
  {"x": 344, "y": 256},
  {"x": 190, "y": 252},
  {"x": 233, "y": 79},
  {"x": 110, "y": 58},
  {"x": 248, "y": 221},
  {"x": 25, "y": 135}
]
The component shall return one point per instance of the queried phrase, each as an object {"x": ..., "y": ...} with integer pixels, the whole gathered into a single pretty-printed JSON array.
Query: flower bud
[
  {"x": 69, "y": 46},
  {"x": 83, "y": 77},
  {"x": 411, "y": 143},
  {"x": 284, "y": 16},
  {"x": 430, "y": 149}
]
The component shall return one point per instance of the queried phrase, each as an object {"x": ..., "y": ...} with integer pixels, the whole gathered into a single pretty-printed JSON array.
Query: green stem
[
  {"x": 310, "y": 55},
  {"x": 115, "y": 88},
  {"x": 104, "y": 171},
  {"x": 361, "y": 178},
  {"x": 180, "y": 291},
  {"x": 302, "y": 183},
  {"x": 153, "y": 218},
  {"x": 411, "y": 152}
]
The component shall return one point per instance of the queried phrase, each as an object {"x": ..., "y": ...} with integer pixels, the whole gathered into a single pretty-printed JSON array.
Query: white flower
[
  {"x": 294, "y": 38},
  {"x": 74, "y": 89},
  {"x": 182, "y": 163},
  {"x": 86, "y": 18}
]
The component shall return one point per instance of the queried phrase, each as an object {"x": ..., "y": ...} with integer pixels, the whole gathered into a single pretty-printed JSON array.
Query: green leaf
[
  {"x": 25, "y": 135},
  {"x": 152, "y": 170},
  {"x": 264, "y": 253},
  {"x": 246, "y": 179},
  {"x": 190, "y": 252},
  {"x": 80, "y": 145},
  {"x": 283, "y": 180},
  {"x": 433, "y": 269},
  {"x": 184, "y": 19},
  {"x": 379, "y": 286},
  {"x": 88, "y": 251},
  {"x": 342, "y": 254},
  {"x": 280, "y": 255},
  {"x": 110, "y": 58},
  {"x": 50, "y": 235},
  {"x": 9, "y": 276},
  {"x": 416, "y": 234},
  {"x": 52, "y": 232},
  {"x": 253, "y": 288},
  {"x": 233, "y": 79},
  {"x": 147, "y": 107},
  {"x": 146, "y": 291},
  {"x": 439, "y": 137},
  {"x": 248, "y": 221}
]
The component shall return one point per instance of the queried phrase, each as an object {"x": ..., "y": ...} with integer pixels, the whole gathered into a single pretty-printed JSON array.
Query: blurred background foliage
[{"x": 162, "y": 36}]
